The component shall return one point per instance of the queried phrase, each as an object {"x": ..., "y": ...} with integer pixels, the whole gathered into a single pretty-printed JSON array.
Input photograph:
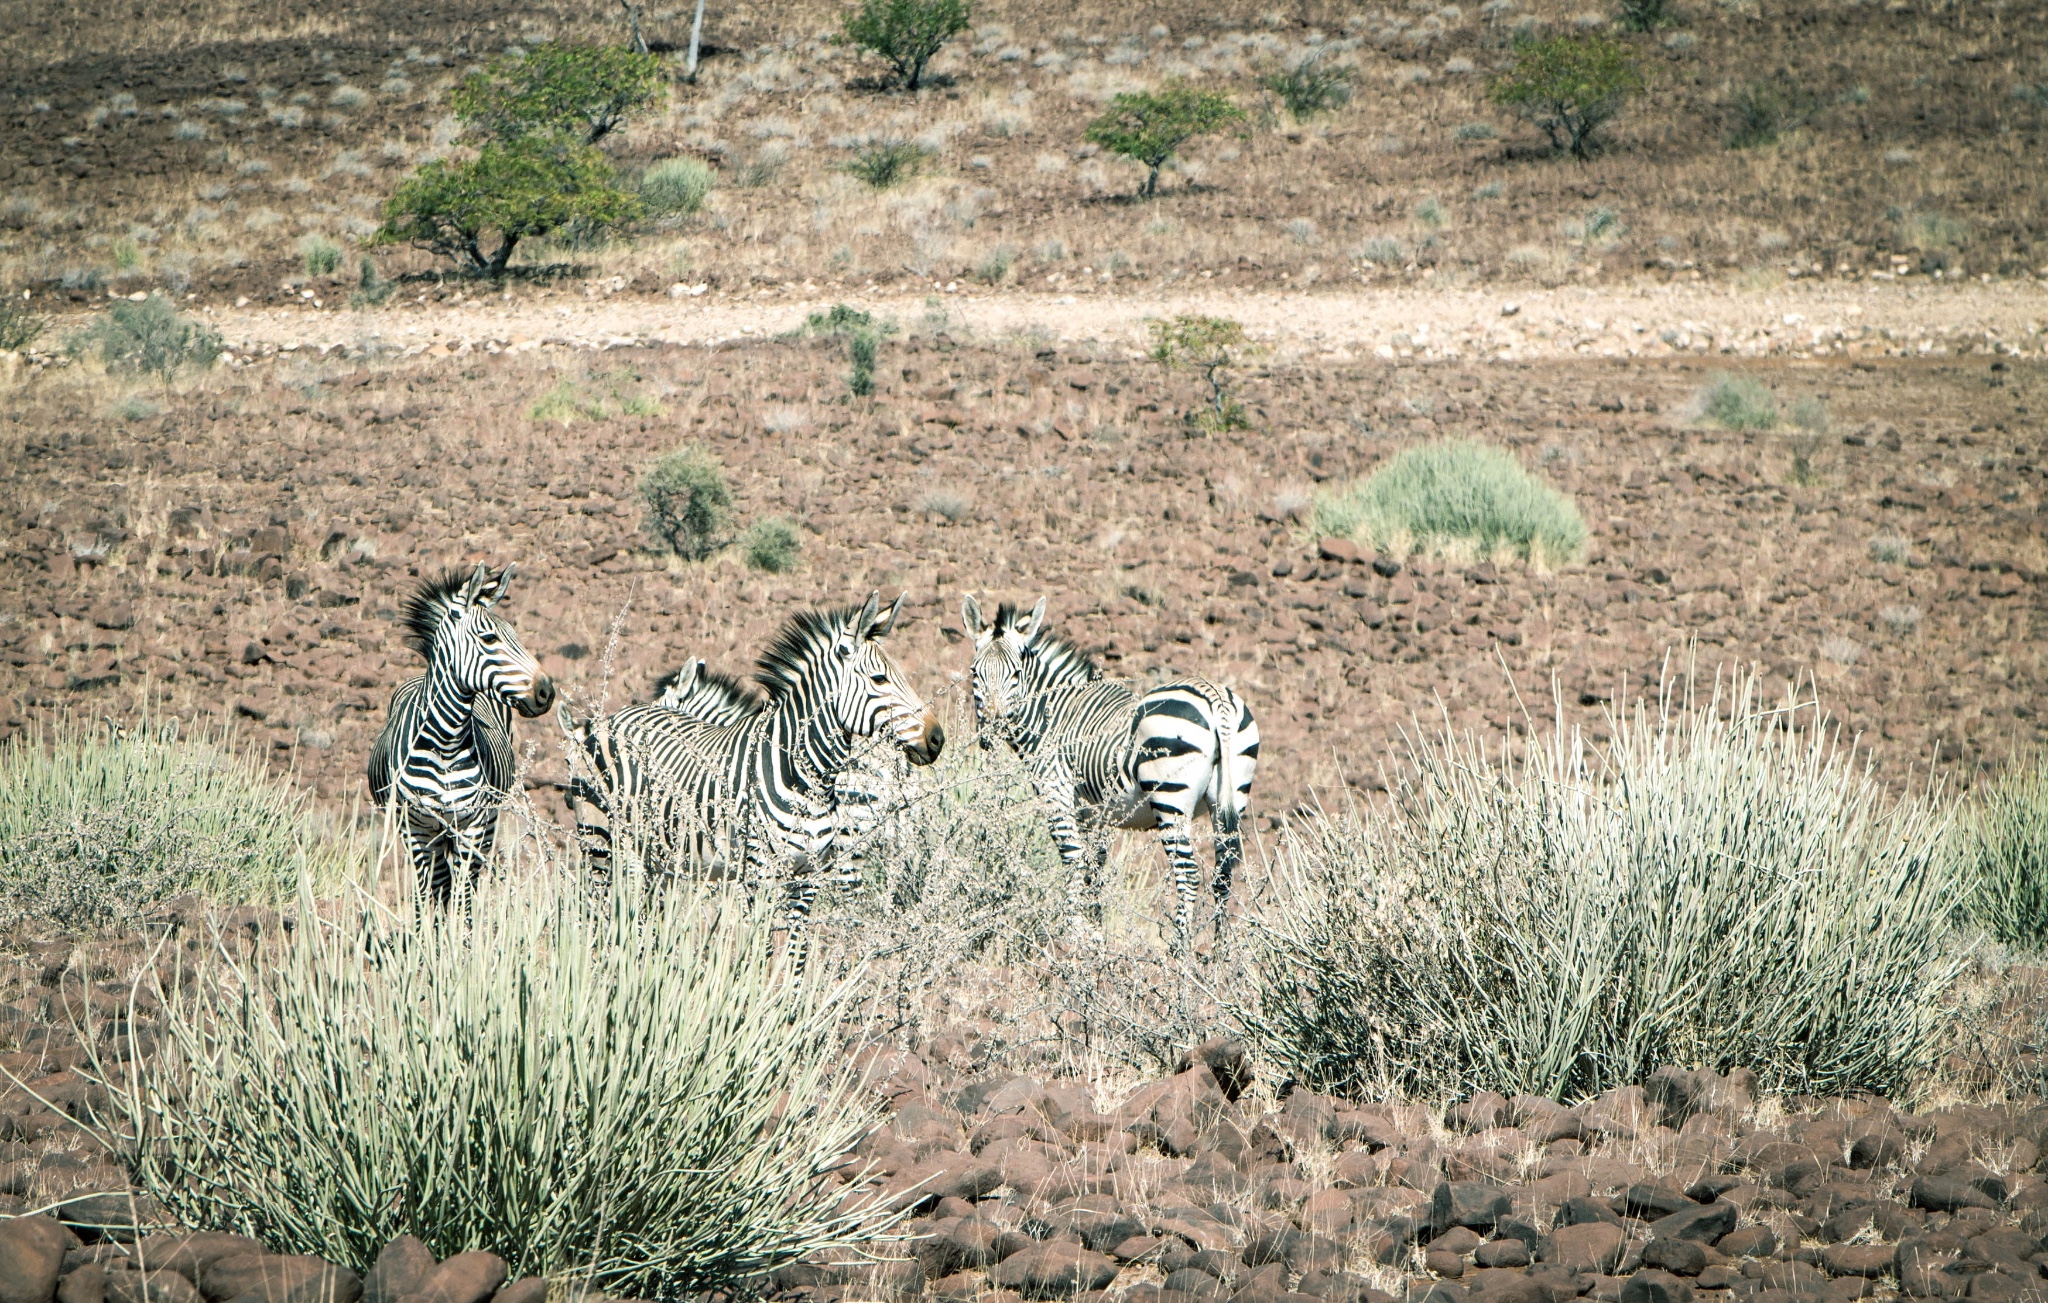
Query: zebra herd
[{"x": 762, "y": 781}]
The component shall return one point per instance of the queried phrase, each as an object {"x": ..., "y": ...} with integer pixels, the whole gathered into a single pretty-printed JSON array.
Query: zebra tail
[{"x": 1223, "y": 805}]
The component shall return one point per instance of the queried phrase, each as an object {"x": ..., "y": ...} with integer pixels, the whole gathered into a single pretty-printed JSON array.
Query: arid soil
[{"x": 238, "y": 548}]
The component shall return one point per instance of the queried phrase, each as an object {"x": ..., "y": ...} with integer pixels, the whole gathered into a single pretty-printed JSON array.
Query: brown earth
[{"x": 239, "y": 551}]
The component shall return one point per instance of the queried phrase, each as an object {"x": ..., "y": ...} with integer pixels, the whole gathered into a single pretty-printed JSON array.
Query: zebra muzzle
[
  {"x": 539, "y": 700},
  {"x": 927, "y": 749}
]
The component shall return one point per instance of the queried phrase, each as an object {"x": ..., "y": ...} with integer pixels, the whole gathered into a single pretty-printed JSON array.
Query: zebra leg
[
  {"x": 1066, "y": 836},
  {"x": 1229, "y": 843},
  {"x": 802, "y": 892},
  {"x": 429, "y": 842},
  {"x": 1180, "y": 857}
]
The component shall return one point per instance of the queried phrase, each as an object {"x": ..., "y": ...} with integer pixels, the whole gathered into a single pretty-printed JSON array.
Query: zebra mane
[
  {"x": 712, "y": 683},
  {"x": 796, "y": 645},
  {"x": 421, "y": 619},
  {"x": 1058, "y": 660}
]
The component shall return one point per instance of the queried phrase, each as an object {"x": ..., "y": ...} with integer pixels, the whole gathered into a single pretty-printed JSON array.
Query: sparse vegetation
[
  {"x": 1889, "y": 549},
  {"x": 319, "y": 255},
  {"x": 1716, "y": 891},
  {"x": 1764, "y": 111},
  {"x": 689, "y": 503},
  {"x": 773, "y": 545},
  {"x": 908, "y": 34},
  {"x": 675, "y": 187},
  {"x": 887, "y": 163},
  {"x": 1310, "y": 86},
  {"x": 99, "y": 828},
  {"x": 560, "y": 90},
  {"x": 372, "y": 290},
  {"x": 622, "y": 1090},
  {"x": 1739, "y": 403},
  {"x": 2007, "y": 851},
  {"x": 20, "y": 325},
  {"x": 1211, "y": 346},
  {"x": 1645, "y": 15},
  {"x": 149, "y": 337},
  {"x": 513, "y": 190},
  {"x": 1447, "y": 496},
  {"x": 863, "y": 335},
  {"x": 1570, "y": 87},
  {"x": 1150, "y": 127}
]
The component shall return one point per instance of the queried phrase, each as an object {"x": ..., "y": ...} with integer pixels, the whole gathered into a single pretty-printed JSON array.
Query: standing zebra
[
  {"x": 445, "y": 755},
  {"x": 760, "y": 788},
  {"x": 1103, "y": 755}
]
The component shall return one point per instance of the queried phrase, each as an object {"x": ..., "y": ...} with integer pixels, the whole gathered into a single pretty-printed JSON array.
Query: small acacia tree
[
  {"x": 559, "y": 89},
  {"x": 1210, "y": 345},
  {"x": 1149, "y": 127},
  {"x": 908, "y": 33},
  {"x": 1570, "y": 86},
  {"x": 517, "y": 189}
]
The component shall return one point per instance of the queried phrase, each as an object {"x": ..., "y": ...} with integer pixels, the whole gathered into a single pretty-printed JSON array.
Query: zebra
[
  {"x": 445, "y": 755},
  {"x": 1102, "y": 755},
  {"x": 759, "y": 789}
]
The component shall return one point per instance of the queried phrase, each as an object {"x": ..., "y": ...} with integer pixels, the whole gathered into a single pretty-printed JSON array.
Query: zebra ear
[
  {"x": 494, "y": 590},
  {"x": 970, "y": 615},
  {"x": 1032, "y": 623},
  {"x": 864, "y": 623},
  {"x": 475, "y": 585},
  {"x": 889, "y": 622}
]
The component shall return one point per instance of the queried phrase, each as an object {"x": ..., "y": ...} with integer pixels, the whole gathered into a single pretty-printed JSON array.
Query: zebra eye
[{"x": 879, "y": 678}]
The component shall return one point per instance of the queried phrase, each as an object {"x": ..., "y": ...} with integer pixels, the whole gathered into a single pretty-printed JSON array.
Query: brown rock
[
  {"x": 190, "y": 1253},
  {"x": 1052, "y": 1271},
  {"x": 402, "y": 1268},
  {"x": 159, "y": 1286},
  {"x": 268, "y": 1276},
  {"x": 86, "y": 1284},
  {"x": 1589, "y": 1247},
  {"x": 531, "y": 1289},
  {"x": 1339, "y": 549},
  {"x": 1652, "y": 1286},
  {"x": 465, "y": 1278},
  {"x": 31, "y": 1253},
  {"x": 1857, "y": 1259}
]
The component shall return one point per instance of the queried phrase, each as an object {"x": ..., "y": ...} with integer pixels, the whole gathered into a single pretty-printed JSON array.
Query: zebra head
[
  {"x": 836, "y": 660},
  {"x": 450, "y": 622},
  {"x": 1002, "y": 650},
  {"x": 700, "y": 692}
]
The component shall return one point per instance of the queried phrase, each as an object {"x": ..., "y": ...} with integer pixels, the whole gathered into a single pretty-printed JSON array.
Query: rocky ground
[
  {"x": 236, "y": 548},
  {"x": 1198, "y": 1188}
]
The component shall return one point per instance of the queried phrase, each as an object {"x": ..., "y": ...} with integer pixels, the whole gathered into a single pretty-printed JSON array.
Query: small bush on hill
[
  {"x": 1645, "y": 15},
  {"x": 622, "y": 1091},
  {"x": 1763, "y": 111},
  {"x": 2008, "y": 853},
  {"x": 1451, "y": 495},
  {"x": 1739, "y": 403},
  {"x": 906, "y": 33},
  {"x": 585, "y": 90},
  {"x": 320, "y": 255},
  {"x": 689, "y": 505},
  {"x": 887, "y": 164},
  {"x": 95, "y": 829},
  {"x": 675, "y": 187},
  {"x": 1570, "y": 86},
  {"x": 147, "y": 338},
  {"x": 517, "y": 190},
  {"x": 772, "y": 545},
  {"x": 863, "y": 335},
  {"x": 1149, "y": 127},
  {"x": 1212, "y": 346},
  {"x": 1708, "y": 891},
  {"x": 1310, "y": 87},
  {"x": 19, "y": 326}
]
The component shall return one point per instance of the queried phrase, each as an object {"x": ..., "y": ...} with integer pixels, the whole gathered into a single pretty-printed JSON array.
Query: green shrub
[
  {"x": 619, "y": 1089},
  {"x": 320, "y": 255},
  {"x": 1763, "y": 111},
  {"x": 147, "y": 338},
  {"x": 97, "y": 829},
  {"x": 1703, "y": 891},
  {"x": 689, "y": 505},
  {"x": 863, "y": 335},
  {"x": 994, "y": 269},
  {"x": 1451, "y": 495},
  {"x": 675, "y": 187},
  {"x": 1149, "y": 127},
  {"x": 2008, "y": 856},
  {"x": 1475, "y": 131},
  {"x": 556, "y": 89},
  {"x": 1212, "y": 346},
  {"x": 1570, "y": 86},
  {"x": 1645, "y": 15},
  {"x": 772, "y": 545},
  {"x": 1738, "y": 403},
  {"x": 887, "y": 164},
  {"x": 518, "y": 189},
  {"x": 906, "y": 33},
  {"x": 1310, "y": 87},
  {"x": 372, "y": 290},
  {"x": 19, "y": 326}
]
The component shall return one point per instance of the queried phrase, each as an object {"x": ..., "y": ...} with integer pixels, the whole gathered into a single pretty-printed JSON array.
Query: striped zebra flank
[
  {"x": 444, "y": 759},
  {"x": 1103, "y": 755},
  {"x": 715, "y": 779}
]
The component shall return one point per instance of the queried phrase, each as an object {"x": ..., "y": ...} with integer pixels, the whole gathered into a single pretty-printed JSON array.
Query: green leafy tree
[
  {"x": 560, "y": 89},
  {"x": 1149, "y": 127},
  {"x": 689, "y": 503},
  {"x": 1570, "y": 86},
  {"x": 907, "y": 33},
  {"x": 516, "y": 189},
  {"x": 1210, "y": 345}
]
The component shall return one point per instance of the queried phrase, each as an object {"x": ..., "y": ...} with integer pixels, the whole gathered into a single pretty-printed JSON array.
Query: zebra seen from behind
[
  {"x": 445, "y": 756},
  {"x": 1103, "y": 755},
  {"x": 759, "y": 789}
]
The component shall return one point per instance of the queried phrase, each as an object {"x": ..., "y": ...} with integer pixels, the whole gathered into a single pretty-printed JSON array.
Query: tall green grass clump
[
  {"x": 621, "y": 1089},
  {"x": 1721, "y": 885},
  {"x": 1452, "y": 497},
  {"x": 2008, "y": 854},
  {"x": 675, "y": 187},
  {"x": 96, "y": 829}
]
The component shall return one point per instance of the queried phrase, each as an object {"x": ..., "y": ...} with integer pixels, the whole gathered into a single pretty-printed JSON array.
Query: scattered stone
[
  {"x": 32, "y": 1252},
  {"x": 402, "y": 1268},
  {"x": 1594, "y": 1247},
  {"x": 1652, "y": 1286},
  {"x": 1053, "y": 1271}
]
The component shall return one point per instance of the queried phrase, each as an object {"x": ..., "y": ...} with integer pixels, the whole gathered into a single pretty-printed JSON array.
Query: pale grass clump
[
  {"x": 1722, "y": 884},
  {"x": 1447, "y": 496},
  {"x": 622, "y": 1090}
]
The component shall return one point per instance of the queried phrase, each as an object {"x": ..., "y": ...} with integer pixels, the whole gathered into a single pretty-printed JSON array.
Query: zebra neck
[
  {"x": 449, "y": 708},
  {"x": 1044, "y": 703},
  {"x": 811, "y": 749}
]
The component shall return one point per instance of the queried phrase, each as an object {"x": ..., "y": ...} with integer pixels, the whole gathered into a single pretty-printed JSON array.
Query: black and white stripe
[
  {"x": 757, "y": 791},
  {"x": 1103, "y": 755},
  {"x": 445, "y": 755}
]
